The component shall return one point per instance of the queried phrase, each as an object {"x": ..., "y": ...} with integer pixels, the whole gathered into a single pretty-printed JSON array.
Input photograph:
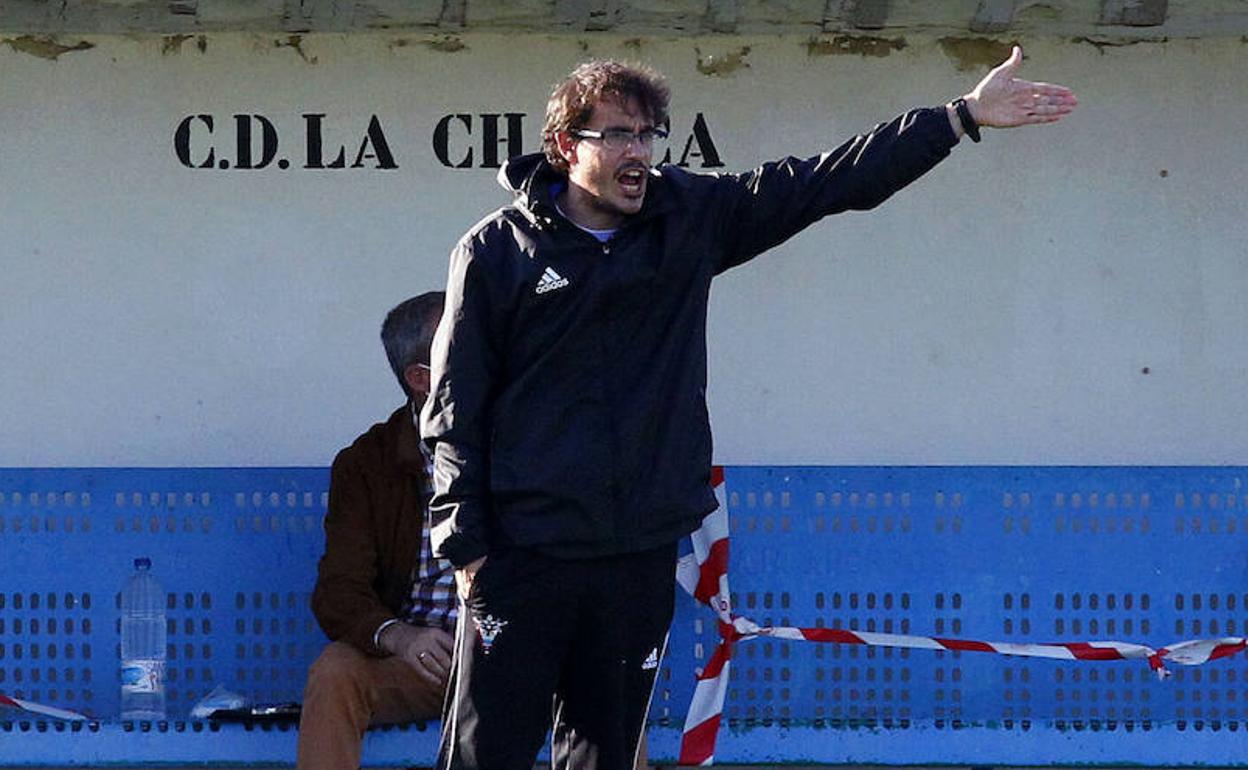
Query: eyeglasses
[{"x": 621, "y": 138}]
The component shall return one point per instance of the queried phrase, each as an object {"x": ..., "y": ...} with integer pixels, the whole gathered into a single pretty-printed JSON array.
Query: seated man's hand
[{"x": 427, "y": 650}]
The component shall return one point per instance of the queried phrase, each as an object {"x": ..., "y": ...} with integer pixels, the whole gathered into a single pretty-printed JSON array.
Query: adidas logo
[
  {"x": 652, "y": 661},
  {"x": 550, "y": 281}
]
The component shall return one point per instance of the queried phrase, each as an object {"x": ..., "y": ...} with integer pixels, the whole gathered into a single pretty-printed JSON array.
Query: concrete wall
[{"x": 1072, "y": 294}]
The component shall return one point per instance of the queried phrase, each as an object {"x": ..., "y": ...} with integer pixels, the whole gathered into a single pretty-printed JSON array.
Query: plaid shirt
[{"x": 434, "y": 601}]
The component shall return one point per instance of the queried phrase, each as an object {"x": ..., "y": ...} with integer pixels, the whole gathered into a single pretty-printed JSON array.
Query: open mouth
[{"x": 632, "y": 180}]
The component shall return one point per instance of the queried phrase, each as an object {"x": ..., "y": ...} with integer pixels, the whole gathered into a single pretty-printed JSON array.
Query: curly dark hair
[{"x": 572, "y": 100}]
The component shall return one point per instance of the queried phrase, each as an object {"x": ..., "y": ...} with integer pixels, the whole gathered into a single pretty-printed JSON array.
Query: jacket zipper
[{"x": 613, "y": 441}]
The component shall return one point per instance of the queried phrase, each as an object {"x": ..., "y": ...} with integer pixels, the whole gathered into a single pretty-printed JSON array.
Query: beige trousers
[{"x": 346, "y": 692}]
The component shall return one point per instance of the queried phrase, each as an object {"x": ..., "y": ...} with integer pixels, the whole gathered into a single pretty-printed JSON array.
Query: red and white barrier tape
[
  {"x": 39, "y": 708},
  {"x": 702, "y": 570}
]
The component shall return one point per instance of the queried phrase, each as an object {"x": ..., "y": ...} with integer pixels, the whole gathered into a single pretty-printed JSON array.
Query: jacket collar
[
  {"x": 407, "y": 448},
  {"x": 531, "y": 178}
]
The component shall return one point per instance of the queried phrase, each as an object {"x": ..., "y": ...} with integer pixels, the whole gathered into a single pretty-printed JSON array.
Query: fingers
[
  {"x": 1052, "y": 110},
  {"x": 416, "y": 658},
  {"x": 1010, "y": 65},
  {"x": 431, "y": 665},
  {"x": 1053, "y": 93},
  {"x": 1005, "y": 101},
  {"x": 438, "y": 661},
  {"x": 1050, "y": 106},
  {"x": 1047, "y": 117},
  {"x": 428, "y": 651},
  {"x": 1052, "y": 89},
  {"x": 436, "y": 648},
  {"x": 1027, "y": 103},
  {"x": 445, "y": 642}
]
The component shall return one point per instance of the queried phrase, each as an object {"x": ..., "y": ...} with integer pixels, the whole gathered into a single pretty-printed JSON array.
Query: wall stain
[
  {"x": 173, "y": 44},
  {"x": 447, "y": 44},
  {"x": 295, "y": 42},
  {"x": 973, "y": 53},
  {"x": 1039, "y": 11},
  {"x": 841, "y": 45},
  {"x": 45, "y": 47},
  {"x": 1102, "y": 43},
  {"x": 723, "y": 65}
]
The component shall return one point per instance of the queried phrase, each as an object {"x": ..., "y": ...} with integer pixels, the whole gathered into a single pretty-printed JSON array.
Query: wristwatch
[{"x": 968, "y": 123}]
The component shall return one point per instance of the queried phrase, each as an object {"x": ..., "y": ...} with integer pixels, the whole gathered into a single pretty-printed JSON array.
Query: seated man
[{"x": 382, "y": 598}]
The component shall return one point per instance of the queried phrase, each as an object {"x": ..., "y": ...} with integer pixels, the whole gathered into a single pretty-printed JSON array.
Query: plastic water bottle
[{"x": 142, "y": 645}]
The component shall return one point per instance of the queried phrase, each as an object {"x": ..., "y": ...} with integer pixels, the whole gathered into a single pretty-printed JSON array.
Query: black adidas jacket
[{"x": 568, "y": 406}]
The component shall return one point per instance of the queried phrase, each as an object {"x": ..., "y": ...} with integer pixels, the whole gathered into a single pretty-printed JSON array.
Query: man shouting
[{"x": 567, "y": 413}]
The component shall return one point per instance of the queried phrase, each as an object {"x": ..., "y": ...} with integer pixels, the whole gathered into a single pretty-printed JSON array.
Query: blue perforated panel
[
  {"x": 1001, "y": 554},
  {"x": 235, "y": 550},
  {"x": 1151, "y": 555}
]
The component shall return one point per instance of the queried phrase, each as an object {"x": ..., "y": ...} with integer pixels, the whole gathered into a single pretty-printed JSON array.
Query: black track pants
[{"x": 574, "y": 641}]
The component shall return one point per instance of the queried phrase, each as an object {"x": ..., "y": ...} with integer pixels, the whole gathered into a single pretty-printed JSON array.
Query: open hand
[{"x": 1003, "y": 101}]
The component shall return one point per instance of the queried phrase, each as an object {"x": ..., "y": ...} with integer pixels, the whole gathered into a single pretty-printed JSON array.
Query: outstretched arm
[
  {"x": 1002, "y": 100},
  {"x": 767, "y": 206}
]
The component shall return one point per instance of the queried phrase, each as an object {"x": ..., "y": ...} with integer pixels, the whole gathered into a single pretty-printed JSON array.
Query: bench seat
[{"x": 1018, "y": 554}]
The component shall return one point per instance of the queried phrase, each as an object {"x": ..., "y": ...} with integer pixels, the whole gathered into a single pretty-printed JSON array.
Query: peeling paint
[
  {"x": 723, "y": 65},
  {"x": 1199, "y": 18},
  {"x": 447, "y": 44},
  {"x": 1040, "y": 11},
  {"x": 173, "y": 44},
  {"x": 295, "y": 42},
  {"x": 854, "y": 44},
  {"x": 1102, "y": 43},
  {"x": 973, "y": 53},
  {"x": 45, "y": 47}
]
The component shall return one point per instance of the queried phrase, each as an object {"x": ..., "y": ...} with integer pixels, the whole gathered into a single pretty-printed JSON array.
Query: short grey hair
[{"x": 407, "y": 332}]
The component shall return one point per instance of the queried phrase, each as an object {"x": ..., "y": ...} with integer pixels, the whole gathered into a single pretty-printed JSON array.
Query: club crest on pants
[{"x": 488, "y": 628}]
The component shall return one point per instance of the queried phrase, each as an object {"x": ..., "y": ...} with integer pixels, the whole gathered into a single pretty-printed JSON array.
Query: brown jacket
[{"x": 377, "y": 501}]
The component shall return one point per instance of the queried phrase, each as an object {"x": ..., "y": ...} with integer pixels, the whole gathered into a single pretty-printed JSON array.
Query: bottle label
[{"x": 140, "y": 675}]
